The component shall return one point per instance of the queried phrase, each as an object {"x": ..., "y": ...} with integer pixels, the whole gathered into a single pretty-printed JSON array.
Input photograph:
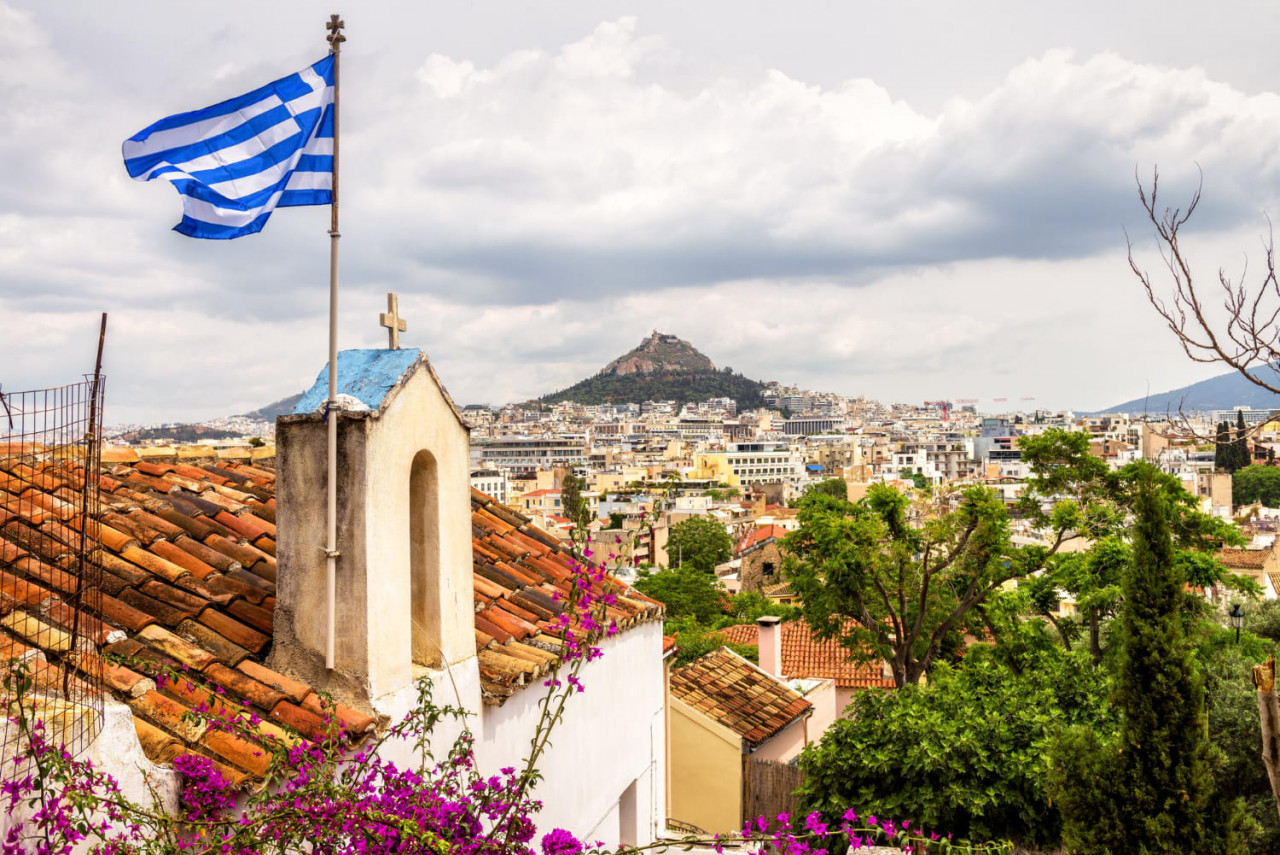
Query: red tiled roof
[
  {"x": 805, "y": 656},
  {"x": 189, "y": 583},
  {"x": 759, "y": 535},
  {"x": 187, "y": 587},
  {"x": 732, "y": 692},
  {"x": 521, "y": 578},
  {"x": 1253, "y": 559}
]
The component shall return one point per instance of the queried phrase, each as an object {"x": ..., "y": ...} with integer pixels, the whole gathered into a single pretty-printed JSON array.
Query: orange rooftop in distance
[{"x": 806, "y": 656}]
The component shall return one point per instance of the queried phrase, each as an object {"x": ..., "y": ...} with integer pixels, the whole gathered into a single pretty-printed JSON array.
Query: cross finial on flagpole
[
  {"x": 393, "y": 322},
  {"x": 335, "y": 37}
]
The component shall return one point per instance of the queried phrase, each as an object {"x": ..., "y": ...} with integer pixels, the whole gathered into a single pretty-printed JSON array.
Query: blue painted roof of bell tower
[{"x": 366, "y": 375}]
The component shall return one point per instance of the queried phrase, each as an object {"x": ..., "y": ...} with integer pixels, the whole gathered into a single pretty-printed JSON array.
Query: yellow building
[
  {"x": 726, "y": 713},
  {"x": 714, "y": 466}
]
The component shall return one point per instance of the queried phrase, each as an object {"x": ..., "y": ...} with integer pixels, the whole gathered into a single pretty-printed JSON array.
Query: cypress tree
[
  {"x": 1150, "y": 789},
  {"x": 1221, "y": 448},
  {"x": 575, "y": 506},
  {"x": 1242, "y": 442}
]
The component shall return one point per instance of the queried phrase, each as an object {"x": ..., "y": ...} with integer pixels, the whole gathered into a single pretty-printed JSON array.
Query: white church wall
[
  {"x": 613, "y": 734},
  {"x": 117, "y": 751}
]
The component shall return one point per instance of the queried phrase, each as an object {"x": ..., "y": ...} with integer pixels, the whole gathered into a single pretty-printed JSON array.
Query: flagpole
[{"x": 335, "y": 39}]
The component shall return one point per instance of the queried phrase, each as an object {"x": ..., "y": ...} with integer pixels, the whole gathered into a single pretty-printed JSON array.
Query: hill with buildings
[
  {"x": 1217, "y": 393},
  {"x": 281, "y": 407},
  {"x": 662, "y": 368}
]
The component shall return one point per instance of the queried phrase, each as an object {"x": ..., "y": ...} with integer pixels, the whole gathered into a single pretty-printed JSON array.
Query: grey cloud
[{"x": 539, "y": 210}]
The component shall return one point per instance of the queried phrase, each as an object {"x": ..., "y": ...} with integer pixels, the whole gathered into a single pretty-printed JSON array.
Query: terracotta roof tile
[
  {"x": 211, "y": 557},
  {"x": 738, "y": 695},
  {"x": 348, "y": 719},
  {"x": 223, "y": 649},
  {"x": 234, "y": 631},
  {"x": 261, "y": 695},
  {"x": 241, "y": 753},
  {"x": 253, "y": 588},
  {"x": 162, "y": 612},
  {"x": 1248, "y": 559},
  {"x": 287, "y": 686},
  {"x": 803, "y": 655},
  {"x": 168, "y": 714},
  {"x": 306, "y": 722},
  {"x": 178, "y": 581},
  {"x": 256, "y": 616},
  {"x": 245, "y": 525},
  {"x": 150, "y": 561}
]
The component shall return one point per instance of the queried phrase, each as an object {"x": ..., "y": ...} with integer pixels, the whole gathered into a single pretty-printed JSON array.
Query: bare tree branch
[{"x": 1249, "y": 337}]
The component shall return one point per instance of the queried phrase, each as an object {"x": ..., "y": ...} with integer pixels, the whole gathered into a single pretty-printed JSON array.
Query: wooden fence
[{"x": 768, "y": 787}]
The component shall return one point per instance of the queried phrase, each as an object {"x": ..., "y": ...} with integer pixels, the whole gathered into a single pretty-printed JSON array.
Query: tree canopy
[
  {"x": 1257, "y": 483},
  {"x": 1151, "y": 788},
  {"x": 968, "y": 751},
  {"x": 685, "y": 591},
  {"x": 835, "y": 487},
  {"x": 909, "y": 575},
  {"x": 700, "y": 543},
  {"x": 912, "y": 574},
  {"x": 575, "y": 505},
  {"x": 1099, "y": 504}
]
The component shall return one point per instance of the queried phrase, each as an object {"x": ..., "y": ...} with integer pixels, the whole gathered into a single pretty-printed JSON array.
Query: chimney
[{"x": 770, "y": 644}]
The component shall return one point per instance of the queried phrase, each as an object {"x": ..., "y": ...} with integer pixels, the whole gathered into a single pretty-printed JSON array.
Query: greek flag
[{"x": 236, "y": 162}]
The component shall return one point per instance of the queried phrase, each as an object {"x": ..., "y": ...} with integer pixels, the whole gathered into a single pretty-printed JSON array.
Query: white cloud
[{"x": 541, "y": 211}]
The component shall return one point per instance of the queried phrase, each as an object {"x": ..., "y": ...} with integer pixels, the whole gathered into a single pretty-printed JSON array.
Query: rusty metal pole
[
  {"x": 88, "y": 492},
  {"x": 335, "y": 39}
]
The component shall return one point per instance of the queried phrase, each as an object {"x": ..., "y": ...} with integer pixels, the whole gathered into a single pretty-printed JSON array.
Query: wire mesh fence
[{"x": 49, "y": 575}]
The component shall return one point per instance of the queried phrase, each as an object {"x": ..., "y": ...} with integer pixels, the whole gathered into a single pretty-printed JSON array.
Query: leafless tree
[{"x": 1246, "y": 335}]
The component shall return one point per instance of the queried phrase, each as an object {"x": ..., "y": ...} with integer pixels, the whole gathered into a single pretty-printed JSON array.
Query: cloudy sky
[{"x": 903, "y": 200}]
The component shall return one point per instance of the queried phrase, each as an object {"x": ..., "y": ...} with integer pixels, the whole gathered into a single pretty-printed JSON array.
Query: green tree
[
  {"x": 1093, "y": 580},
  {"x": 1079, "y": 490},
  {"x": 575, "y": 505},
  {"x": 694, "y": 639},
  {"x": 1150, "y": 789},
  {"x": 968, "y": 751},
  {"x": 685, "y": 591},
  {"x": 1233, "y": 722},
  {"x": 835, "y": 487},
  {"x": 1222, "y": 448},
  {"x": 747, "y": 606},
  {"x": 700, "y": 543},
  {"x": 1242, "y": 442},
  {"x": 1257, "y": 483},
  {"x": 908, "y": 576}
]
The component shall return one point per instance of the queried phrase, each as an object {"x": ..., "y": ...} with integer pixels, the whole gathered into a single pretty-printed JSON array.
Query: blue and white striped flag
[{"x": 236, "y": 162}]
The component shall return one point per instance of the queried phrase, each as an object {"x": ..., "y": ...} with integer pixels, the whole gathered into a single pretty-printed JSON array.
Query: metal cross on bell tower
[{"x": 393, "y": 322}]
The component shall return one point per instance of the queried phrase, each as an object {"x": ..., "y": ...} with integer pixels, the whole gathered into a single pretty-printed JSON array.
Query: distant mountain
[
  {"x": 279, "y": 408},
  {"x": 657, "y": 354},
  {"x": 179, "y": 433},
  {"x": 1216, "y": 393},
  {"x": 662, "y": 368}
]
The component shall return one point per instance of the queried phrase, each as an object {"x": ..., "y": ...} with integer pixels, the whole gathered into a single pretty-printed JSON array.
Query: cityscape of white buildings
[{"x": 660, "y": 462}]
